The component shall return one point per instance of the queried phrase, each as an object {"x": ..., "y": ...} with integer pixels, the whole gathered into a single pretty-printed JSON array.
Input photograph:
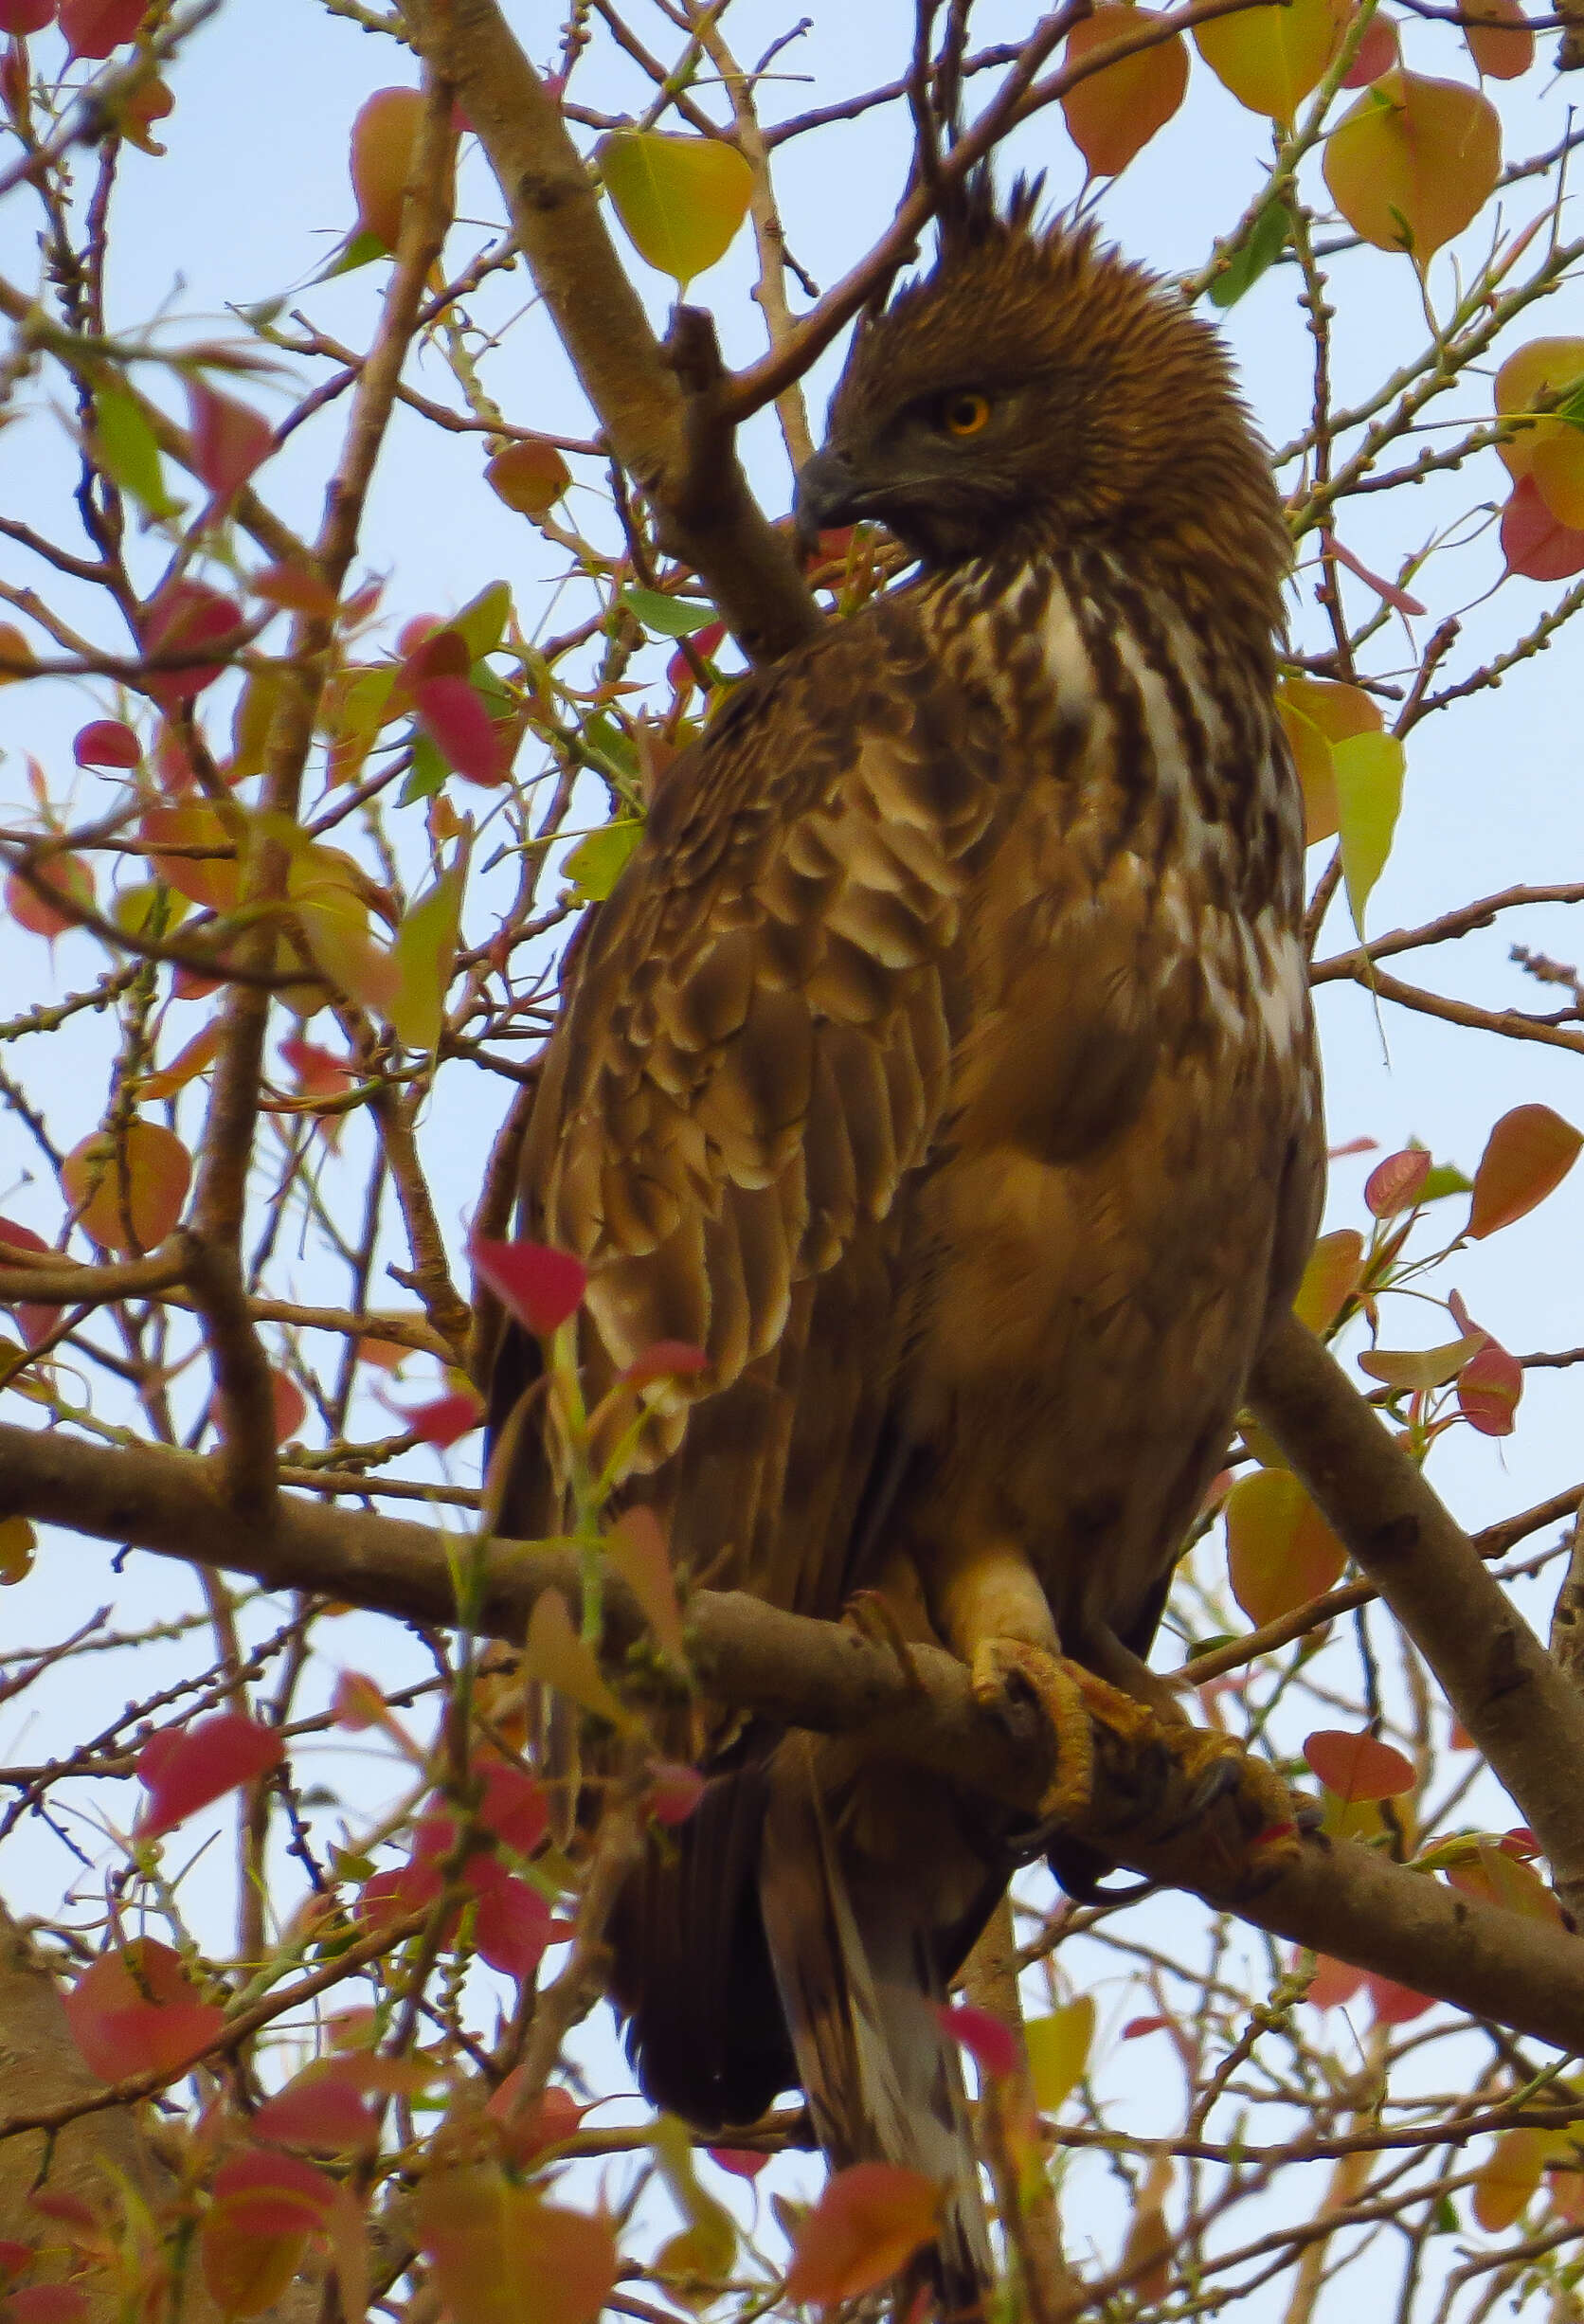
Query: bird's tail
[{"x": 856, "y": 1949}]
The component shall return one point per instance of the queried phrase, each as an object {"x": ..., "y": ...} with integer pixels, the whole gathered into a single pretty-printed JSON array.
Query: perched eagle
[{"x": 942, "y": 1067}]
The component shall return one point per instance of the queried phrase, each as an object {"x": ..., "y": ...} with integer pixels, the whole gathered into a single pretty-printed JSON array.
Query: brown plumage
[{"x": 942, "y": 1066}]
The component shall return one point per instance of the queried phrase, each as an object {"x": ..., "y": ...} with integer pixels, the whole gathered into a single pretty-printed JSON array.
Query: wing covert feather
[{"x": 753, "y": 1063}]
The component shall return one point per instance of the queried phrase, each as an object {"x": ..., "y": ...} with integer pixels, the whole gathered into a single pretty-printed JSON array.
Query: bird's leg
[{"x": 992, "y": 1611}]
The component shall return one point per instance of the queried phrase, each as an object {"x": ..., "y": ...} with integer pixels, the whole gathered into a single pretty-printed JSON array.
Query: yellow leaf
[
  {"x": 557, "y": 1657},
  {"x": 681, "y": 199},
  {"x": 1270, "y": 58},
  {"x": 1368, "y": 769},
  {"x": 1544, "y": 369},
  {"x": 1413, "y": 161},
  {"x": 1058, "y": 2050}
]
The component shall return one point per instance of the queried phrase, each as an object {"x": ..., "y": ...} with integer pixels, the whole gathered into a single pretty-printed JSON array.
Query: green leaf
[
  {"x": 481, "y": 623},
  {"x": 359, "y": 250},
  {"x": 1369, "y": 771},
  {"x": 668, "y": 617},
  {"x": 127, "y": 450},
  {"x": 1266, "y": 240},
  {"x": 597, "y": 863},
  {"x": 424, "y": 950},
  {"x": 681, "y": 199},
  {"x": 426, "y": 776},
  {"x": 1444, "y": 1178}
]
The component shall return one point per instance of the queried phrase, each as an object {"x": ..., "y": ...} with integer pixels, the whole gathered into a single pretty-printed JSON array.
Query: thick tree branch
[
  {"x": 1339, "y": 1898},
  {"x": 642, "y": 406},
  {"x": 1513, "y": 1701}
]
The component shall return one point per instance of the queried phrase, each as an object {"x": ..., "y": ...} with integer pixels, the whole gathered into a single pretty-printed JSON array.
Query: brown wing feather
[{"x": 753, "y": 1065}]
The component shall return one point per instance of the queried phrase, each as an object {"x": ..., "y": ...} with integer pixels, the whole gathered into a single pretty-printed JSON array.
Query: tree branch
[
  {"x": 1511, "y": 1696},
  {"x": 642, "y": 406},
  {"x": 1340, "y": 1897}
]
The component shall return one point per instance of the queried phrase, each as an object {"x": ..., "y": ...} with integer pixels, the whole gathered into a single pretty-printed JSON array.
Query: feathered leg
[{"x": 856, "y": 1915}]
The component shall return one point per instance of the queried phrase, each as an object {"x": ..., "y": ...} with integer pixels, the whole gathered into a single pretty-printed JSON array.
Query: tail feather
[{"x": 857, "y": 1953}]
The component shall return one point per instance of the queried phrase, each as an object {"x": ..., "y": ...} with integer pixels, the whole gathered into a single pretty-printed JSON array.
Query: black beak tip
[{"x": 819, "y": 501}]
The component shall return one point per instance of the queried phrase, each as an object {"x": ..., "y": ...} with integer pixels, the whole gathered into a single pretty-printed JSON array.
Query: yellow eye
[{"x": 964, "y": 415}]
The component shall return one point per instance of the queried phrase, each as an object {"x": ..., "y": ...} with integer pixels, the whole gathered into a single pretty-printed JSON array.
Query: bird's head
[{"x": 1035, "y": 390}]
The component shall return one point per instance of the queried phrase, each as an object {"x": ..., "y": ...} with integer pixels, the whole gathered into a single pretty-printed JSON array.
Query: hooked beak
[{"x": 825, "y": 498}]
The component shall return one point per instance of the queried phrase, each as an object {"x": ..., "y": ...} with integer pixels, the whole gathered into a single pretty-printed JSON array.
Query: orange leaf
[
  {"x": 501, "y": 2255},
  {"x": 384, "y": 135},
  {"x": 1528, "y": 1153},
  {"x": 1330, "y": 1278},
  {"x": 1358, "y": 1767},
  {"x": 1114, "y": 115},
  {"x": 868, "y": 2223},
  {"x": 1499, "y": 40},
  {"x": 1509, "y": 2179},
  {"x": 529, "y": 476},
  {"x": 128, "y": 1192},
  {"x": 1533, "y": 374}
]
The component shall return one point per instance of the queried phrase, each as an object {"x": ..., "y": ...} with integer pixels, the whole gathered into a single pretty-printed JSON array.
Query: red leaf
[
  {"x": 1394, "y": 2004},
  {"x": 106, "y": 741},
  {"x": 35, "y": 1319},
  {"x": 25, "y": 16},
  {"x": 1356, "y": 1767},
  {"x": 1375, "y": 53},
  {"x": 1387, "y": 591},
  {"x": 674, "y": 1793},
  {"x": 445, "y": 1420},
  {"x": 320, "y": 1071},
  {"x": 1334, "y": 1983},
  {"x": 322, "y": 2107},
  {"x": 290, "y": 1406},
  {"x": 15, "y": 2259},
  {"x": 991, "y": 2045},
  {"x": 665, "y": 1359},
  {"x": 743, "y": 2162},
  {"x": 867, "y": 2224},
  {"x": 553, "y": 2117},
  {"x": 1533, "y": 542},
  {"x": 230, "y": 439},
  {"x": 94, "y": 27},
  {"x": 48, "y": 2303},
  {"x": 133, "y": 2012},
  {"x": 1137, "y": 2027},
  {"x": 539, "y": 1285},
  {"x": 185, "y": 1769},
  {"x": 391, "y": 1896},
  {"x": 1394, "y": 1185},
  {"x": 513, "y": 1806},
  {"x": 1489, "y": 1389},
  {"x": 183, "y": 616},
  {"x": 679, "y": 669},
  {"x": 512, "y": 1925},
  {"x": 456, "y": 721},
  {"x": 273, "y": 2194}
]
